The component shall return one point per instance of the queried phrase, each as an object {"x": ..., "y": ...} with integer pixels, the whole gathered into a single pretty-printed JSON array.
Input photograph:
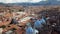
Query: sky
[{"x": 20, "y": 1}]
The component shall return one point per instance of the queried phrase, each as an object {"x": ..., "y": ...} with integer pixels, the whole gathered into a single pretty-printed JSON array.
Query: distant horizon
[{"x": 20, "y": 1}]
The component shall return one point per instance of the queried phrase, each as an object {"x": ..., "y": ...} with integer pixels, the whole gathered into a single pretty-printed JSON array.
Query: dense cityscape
[
  {"x": 23, "y": 20},
  {"x": 30, "y": 17}
]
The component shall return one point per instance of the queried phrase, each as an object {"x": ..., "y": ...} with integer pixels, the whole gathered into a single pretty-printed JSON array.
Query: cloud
[
  {"x": 20, "y": 1},
  {"x": 35, "y": 1}
]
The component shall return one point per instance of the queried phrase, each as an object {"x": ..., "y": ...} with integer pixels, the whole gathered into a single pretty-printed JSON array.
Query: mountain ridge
[{"x": 33, "y": 4}]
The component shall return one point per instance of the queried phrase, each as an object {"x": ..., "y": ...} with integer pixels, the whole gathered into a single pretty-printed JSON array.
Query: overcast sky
[{"x": 21, "y": 1}]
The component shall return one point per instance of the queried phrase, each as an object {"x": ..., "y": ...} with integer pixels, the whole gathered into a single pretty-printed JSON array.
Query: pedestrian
[{"x": 39, "y": 23}]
